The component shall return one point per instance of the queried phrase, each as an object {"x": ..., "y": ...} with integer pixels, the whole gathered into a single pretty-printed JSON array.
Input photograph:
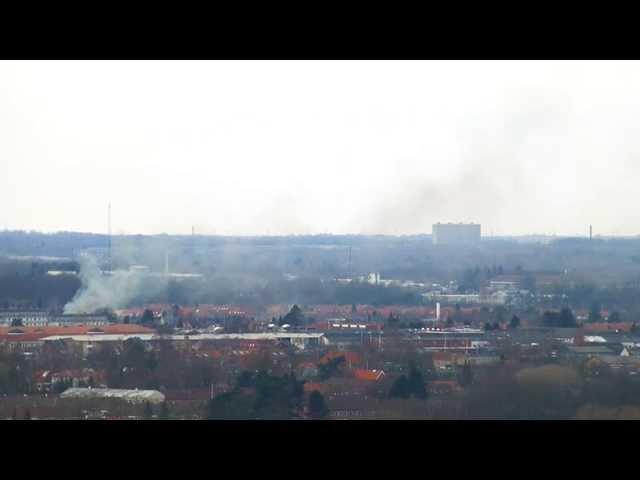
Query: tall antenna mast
[{"x": 109, "y": 238}]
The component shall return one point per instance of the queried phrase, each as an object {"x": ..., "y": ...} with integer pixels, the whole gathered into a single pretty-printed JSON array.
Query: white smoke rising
[{"x": 116, "y": 290}]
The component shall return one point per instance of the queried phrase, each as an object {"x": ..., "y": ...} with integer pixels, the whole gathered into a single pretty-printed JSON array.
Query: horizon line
[{"x": 324, "y": 234}]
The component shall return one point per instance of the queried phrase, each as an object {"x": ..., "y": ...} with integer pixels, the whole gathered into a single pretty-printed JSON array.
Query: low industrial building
[
  {"x": 89, "y": 341},
  {"x": 131, "y": 396}
]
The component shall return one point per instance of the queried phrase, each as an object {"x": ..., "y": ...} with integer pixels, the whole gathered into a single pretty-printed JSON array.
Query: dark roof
[{"x": 589, "y": 349}]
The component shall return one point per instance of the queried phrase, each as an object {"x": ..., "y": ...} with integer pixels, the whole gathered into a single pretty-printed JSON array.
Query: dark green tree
[
  {"x": 466, "y": 375},
  {"x": 416, "y": 383},
  {"x": 147, "y": 317},
  {"x": 515, "y": 322},
  {"x": 614, "y": 317},
  {"x": 594, "y": 312},
  {"x": 411, "y": 385},
  {"x": 148, "y": 411},
  {"x": 400, "y": 388},
  {"x": 317, "y": 407},
  {"x": 294, "y": 318},
  {"x": 164, "y": 411},
  {"x": 331, "y": 368}
]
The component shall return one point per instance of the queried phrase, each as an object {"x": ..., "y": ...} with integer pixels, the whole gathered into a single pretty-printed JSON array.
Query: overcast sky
[{"x": 293, "y": 147}]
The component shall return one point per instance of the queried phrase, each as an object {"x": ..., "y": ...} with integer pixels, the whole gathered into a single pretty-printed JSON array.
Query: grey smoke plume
[{"x": 114, "y": 291}]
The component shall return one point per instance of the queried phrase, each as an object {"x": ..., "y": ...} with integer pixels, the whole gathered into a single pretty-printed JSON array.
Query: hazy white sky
[{"x": 289, "y": 147}]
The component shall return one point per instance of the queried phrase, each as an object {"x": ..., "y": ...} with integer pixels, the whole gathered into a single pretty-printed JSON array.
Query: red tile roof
[
  {"x": 368, "y": 375},
  {"x": 604, "y": 327},
  {"x": 36, "y": 333},
  {"x": 311, "y": 386}
]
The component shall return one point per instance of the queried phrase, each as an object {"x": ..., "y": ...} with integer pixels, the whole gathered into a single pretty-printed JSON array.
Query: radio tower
[{"x": 109, "y": 238}]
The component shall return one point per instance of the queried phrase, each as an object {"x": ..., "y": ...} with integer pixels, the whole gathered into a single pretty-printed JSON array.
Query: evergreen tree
[
  {"x": 317, "y": 407},
  {"x": 594, "y": 312},
  {"x": 148, "y": 411},
  {"x": 466, "y": 375},
  {"x": 400, "y": 388},
  {"x": 515, "y": 322},
  {"x": 164, "y": 411},
  {"x": 294, "y": 318},
  {"x": 412, "y": 385},
  {"x": 614, "y": 317},
  {"x": 416, "y": 383},
  {"x": 147, "y": 317}
]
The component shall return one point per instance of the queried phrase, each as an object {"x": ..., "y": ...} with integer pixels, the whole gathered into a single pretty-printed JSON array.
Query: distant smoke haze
[{"x": 109, "y": 291}]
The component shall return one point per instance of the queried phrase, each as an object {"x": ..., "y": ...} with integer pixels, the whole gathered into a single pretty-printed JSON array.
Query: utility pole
[{"x": 109, "y": 238}]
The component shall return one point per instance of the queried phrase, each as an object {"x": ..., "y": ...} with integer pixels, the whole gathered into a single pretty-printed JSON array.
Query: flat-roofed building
[{"x": 455, "y": 233}]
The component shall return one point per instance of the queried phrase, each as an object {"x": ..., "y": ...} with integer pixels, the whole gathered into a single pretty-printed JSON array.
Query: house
[
  {"x": 607, "y": 327},
  {"x": 446, "y": 360},
  {"x": 307, "y": 370},
  {"x": 46, "y": 380},
  {"x": 589, "y": 350}
]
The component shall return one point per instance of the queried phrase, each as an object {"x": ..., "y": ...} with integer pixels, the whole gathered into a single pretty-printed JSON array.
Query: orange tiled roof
[
  {"x": 368, "y": 375},
  {"x": 311, "y": 386}
]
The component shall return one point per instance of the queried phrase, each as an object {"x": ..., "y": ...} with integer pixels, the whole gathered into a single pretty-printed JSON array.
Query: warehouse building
[{"x": 455, "y": 233}]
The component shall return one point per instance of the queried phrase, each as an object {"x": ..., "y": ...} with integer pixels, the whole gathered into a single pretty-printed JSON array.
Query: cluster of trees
[
  {"x": 331, "y": 367},
  {"x": 411, "y": 385},
  {"x": 472, "y": 279},
  {"x": 562, "y": 319},
  {"x": 260, "y": 396},
  {"x": 137, "y": 365},
  {"x": 624, "y": 296},
  {"x": 550, "y": 392},
  {"x": 42, "y": 292},
  {"x": 15, "y": 374},
  {"x": 148, "y": 412}
]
